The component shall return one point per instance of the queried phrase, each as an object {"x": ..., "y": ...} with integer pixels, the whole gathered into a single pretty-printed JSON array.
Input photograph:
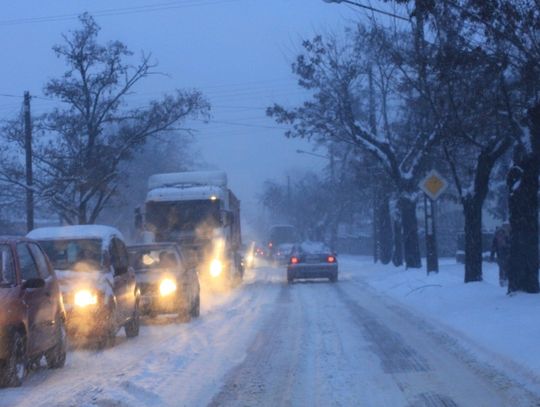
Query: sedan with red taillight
[{"x": 312, "y": 260}]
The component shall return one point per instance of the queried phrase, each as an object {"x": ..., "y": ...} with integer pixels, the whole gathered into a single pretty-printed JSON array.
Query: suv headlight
[
  {"x": 167, "y": 287},
  {"x": 215, "y": 268},
  {"x": 84, "y": 298}
]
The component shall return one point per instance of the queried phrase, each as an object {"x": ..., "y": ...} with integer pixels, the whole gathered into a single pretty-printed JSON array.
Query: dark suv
[
  {"x": 167, "y": 283},
  {"x": 98, "y": 286},
  {"x": 31, "y": 311}
]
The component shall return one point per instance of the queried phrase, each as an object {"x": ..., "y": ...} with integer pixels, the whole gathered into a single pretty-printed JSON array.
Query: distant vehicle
[
  {"x": 280, "y": 234},
  {"x": 199, "y": 212},
  {"x": 248, "y": 256},
  {"x": 166, "y": 282},
  {"x": 283, "y": 253},
  {"x": 259, "y": 252},
  {"x": 312, "y": 260},
  {"x": 31, "y": 311},
  {"x": 98, "y": 286}
]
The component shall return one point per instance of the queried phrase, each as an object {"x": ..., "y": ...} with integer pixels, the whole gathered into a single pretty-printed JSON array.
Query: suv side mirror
[{"x": 33, "y": 283}]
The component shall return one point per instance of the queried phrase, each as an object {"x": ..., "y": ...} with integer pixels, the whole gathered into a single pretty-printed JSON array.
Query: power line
[
  {"x": 228, "y": 123},
  {"x": 115, "y": 12},
  {"x": 370, "y": 8}
]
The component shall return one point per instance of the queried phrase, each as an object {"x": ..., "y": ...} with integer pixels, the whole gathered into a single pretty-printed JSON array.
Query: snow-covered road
[{"x": 270, "y": 344}]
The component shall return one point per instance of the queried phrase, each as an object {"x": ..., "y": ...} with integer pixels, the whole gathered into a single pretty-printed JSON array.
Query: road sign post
[{"x": 433, "y": 186}]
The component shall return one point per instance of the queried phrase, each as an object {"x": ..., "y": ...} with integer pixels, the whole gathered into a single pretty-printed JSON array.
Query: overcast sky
[{"x": 238, "y": 52}]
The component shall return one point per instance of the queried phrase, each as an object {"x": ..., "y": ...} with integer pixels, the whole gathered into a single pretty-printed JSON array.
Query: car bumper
[
  {"x": 155, "y": 303},
  {"x": 312, "y": 271},
  {"x": 88, "y": 321}
]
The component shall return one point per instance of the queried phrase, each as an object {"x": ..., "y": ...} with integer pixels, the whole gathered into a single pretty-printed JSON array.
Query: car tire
[
  {"x": 56, "y": 356},
  {"x": 184, "y": 315},
  {"x": 108, "y": 339},
  {"x": 196, "y": 308},
  {"x": 131, "y": 328},
  {"x": 334, "y": 279},
  {"x": 13, "y": 370},
  {"x": 290, "y": 279}
]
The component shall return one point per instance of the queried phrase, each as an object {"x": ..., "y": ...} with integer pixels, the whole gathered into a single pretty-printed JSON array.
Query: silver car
[{"x": 312, "y": 260}]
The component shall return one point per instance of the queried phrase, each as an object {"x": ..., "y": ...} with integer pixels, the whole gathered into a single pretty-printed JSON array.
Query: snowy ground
[{"x": 379, "y": 337}]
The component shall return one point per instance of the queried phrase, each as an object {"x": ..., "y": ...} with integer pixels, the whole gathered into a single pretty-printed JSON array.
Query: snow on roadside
[
  {"x": 480, "y": 314},
  {"x": 168, "y": 364}
]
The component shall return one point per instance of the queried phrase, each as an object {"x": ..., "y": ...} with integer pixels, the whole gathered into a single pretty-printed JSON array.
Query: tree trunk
[
  {"x": 472, "y": 210},
  {"x": 409, "y": 222},
  {"x": 523, "y": 205},
  {"x": 522, "y": 182},
  {"x": 385, "y": 230},
  {"x": 397, "y": 256},
  {"x": 375, "y": 230}
]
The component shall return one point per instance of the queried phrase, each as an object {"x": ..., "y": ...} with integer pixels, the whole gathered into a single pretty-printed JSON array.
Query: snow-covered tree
[{"x": 339, "y": 77}]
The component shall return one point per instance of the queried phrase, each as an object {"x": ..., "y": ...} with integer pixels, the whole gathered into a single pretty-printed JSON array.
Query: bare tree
[{"x": 82, "y": 145}]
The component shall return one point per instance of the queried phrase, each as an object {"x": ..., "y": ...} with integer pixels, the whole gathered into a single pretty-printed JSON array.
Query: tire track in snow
[{"x": 450, "y": 382}]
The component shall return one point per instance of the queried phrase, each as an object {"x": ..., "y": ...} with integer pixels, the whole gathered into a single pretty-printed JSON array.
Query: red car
[{"x": 31, "y": 311}]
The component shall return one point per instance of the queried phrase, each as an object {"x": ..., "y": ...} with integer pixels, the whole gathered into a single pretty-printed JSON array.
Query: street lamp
[{"x": 376, "y": 10}]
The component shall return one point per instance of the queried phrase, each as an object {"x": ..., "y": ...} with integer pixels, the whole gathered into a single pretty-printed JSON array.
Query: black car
[
  {"x": 312, "y": 260},
  {"x": 167, "y": 283}
]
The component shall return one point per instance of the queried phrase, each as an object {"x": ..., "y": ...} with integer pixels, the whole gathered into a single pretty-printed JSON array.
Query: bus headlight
[
  {"x": 167, "y": 287},
  {"x": 216, "y": 268},
  {"x": 84, "y": 298}
]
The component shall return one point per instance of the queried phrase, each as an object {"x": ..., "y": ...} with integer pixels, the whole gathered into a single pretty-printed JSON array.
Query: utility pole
[
  {"x": 29, "y": 174},
  {"x": 289, "y": 191},
  {"x": 432, "y": 258}
]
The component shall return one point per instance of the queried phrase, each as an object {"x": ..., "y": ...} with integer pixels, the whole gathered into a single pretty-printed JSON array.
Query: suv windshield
[
  {"x": 152, "y": 258},
  {"x": 73, "y": 254}
]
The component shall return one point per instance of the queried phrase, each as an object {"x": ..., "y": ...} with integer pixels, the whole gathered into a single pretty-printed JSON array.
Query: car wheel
[
  {"x": 290, "y": 279},
  {"x": 184, "y": 312},
  {"x": 56, "y": 356},
  {"x": 196, "y": 308},
  {"x": 14, "y": 369},
  {"x": 109, "y": 337},
  {"x": 131, "y": 328},
  {"x": 333, "y": 279}
]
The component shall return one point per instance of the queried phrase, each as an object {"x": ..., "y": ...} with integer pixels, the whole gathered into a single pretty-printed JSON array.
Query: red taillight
[
  {"x": 294, "y": 260},
  {"x": 331, "y": 259},
  {"x": 270, "y": 244}
]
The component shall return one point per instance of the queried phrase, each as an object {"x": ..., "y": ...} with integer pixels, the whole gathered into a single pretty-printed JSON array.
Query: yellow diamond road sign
[{"x": 433, "y": 184}]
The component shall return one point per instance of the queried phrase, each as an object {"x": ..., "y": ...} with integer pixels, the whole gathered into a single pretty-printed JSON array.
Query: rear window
[{"x": 314, "y": 247}]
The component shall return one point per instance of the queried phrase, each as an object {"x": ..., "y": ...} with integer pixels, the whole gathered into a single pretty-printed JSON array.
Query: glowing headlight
[
  {"x": 215, "y": 268},
  {"x": 167, "y": 287},
  {"x": 84, "y": 298}
]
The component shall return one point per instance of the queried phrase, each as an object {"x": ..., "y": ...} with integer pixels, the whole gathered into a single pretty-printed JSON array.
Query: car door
[
  {"x": 52, "y": 291},
  {"x": 36, "y": 300}
]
